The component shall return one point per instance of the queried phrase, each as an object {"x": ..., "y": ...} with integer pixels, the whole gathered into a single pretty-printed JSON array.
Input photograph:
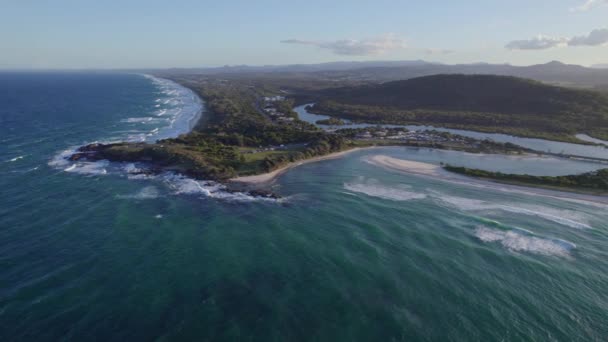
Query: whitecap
[
  {"x": 89, "y": 168},
  {"x": 149, "y": 192},
  {"x": 182, "y": 185},
  {"x": 519, "y": 241},
  {"x": 564, "y": 217},
  {"x": 374, "y": 189},
  {"x": 148, "y": 120},
  {"x": 16, "y": 158}
]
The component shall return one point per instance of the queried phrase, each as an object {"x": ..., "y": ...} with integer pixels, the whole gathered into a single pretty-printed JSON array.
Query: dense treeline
[
  {"x": 480, "y": 102},
  {"x": 320, "y": 146},
  {"x": 235, "y": 119},
  {"x": 224, "y": 143},
  {"x": 597, "y": 180},
  {"x": 331, "y": 121}
]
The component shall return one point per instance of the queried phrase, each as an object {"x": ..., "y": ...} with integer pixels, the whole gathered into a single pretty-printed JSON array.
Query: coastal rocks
[
  {"x": 256, "y": 193},
  {"x": 90, "y": 152},
  {"x": 263, "y": 194},
  {"x": 151, "y": 161}
]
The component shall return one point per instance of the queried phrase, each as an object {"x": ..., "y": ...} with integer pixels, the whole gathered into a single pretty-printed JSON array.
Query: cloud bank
[
  {"x": 594, "y": 38},
  {"x": 353, "y": 47},
  {"x": 537, "y": 43}
]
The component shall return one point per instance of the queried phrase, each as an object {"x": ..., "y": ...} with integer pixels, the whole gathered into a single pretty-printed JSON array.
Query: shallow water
[{"x": 353, "y": 252}]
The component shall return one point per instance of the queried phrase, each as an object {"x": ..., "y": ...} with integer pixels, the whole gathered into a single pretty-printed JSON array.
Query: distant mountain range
[
  {"x": 552, "y": 72},
  {"x": 600, "y": 66}
]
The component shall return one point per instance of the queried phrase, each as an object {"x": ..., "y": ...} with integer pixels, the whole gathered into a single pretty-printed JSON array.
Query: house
[{"x": 364, "y": 135}]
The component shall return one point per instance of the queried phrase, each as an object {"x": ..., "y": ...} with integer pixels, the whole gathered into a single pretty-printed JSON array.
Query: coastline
[
  {"x": 262, "y": 179},
  {"x": 268, "y": 177},
  {"x": 179, "y": 125},
  {"x": 437, "y": 172}
]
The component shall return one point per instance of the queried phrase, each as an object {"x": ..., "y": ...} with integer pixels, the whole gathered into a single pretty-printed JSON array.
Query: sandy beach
[
  {"x": 408, "y": 166},
  {"x": 270, "y": 176},
  {"x": 437, "y": 172}
]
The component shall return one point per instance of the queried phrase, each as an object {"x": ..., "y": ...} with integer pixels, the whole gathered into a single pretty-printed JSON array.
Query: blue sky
[{"x": 151, "y": 33}]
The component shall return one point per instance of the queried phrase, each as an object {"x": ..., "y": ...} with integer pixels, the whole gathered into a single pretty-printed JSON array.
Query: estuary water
[
  {"x": 354, "y": 252},
  {"x": 598, "y": 151}
]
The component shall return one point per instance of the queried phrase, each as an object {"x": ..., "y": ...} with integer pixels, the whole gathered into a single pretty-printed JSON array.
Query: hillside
[
  {"x": 482, "y": 102},
  {"x": 383, "y": 71}
]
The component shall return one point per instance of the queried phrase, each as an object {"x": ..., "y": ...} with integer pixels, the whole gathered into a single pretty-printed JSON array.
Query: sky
[{"x": 72, "y": 34}]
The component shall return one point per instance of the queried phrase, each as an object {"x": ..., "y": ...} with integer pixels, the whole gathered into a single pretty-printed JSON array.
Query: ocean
[{"x": 353, "y": 252}]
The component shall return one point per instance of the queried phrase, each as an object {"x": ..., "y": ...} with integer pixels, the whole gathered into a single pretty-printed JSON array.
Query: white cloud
[
  {"x": 589, "y": 4},
  {"x": 353, "y": 47},
  {"x": 594, "y": 38},
  {"x": 537, "y": 43}
]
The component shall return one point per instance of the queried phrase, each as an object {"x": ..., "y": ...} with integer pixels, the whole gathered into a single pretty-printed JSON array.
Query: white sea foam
[
  {"x": 523, "y": 241},
  {"x": 61, "y": 162},
  {"x": 89, "y": 168},
  {"x": 148, "y": 192},
  {"x": 374, "y": 189},
  {"x": 564, "y": 217},
  {"x": 16, "y": 158},
  {"x": 180, "y": 105},
  {"x": 188, "y": 186},
  {"x": 182, "y": 108},
  {"x": 147, "y": 120}
]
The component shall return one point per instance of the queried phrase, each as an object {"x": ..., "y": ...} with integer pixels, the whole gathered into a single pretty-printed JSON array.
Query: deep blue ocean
[{"x": 354, "y": 252}]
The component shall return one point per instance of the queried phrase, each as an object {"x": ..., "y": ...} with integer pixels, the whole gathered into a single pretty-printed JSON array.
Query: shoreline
[
  {"x": 268, "y": 177},
  {"x": 437, "y": 172},
  {"x": 568, "y": 139},
  {"x": 191, "y": 122}
]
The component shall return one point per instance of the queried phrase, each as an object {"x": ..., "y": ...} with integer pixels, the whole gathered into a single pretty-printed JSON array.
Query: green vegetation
[
  {"x": 596, "y": 181},
  {"x": 331, "y": 122},
  {"x": 235, "y": 138},
  {"x": 239, "y": 135},
  {"x": 477, "y": 102}
]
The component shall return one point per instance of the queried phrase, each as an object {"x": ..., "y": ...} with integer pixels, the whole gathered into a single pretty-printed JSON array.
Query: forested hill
[
  {"x": 475, "y": 93},
  {"x": 488, "y": 103}
]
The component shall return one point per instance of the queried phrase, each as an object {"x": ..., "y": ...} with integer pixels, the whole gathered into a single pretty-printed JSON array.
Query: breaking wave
[
  {"x": 564, "y": 217},
  {"x": 180, "y": 105},
  {"x": 520, "y": 240},
  {"x": 15, "y": 159},
  {"x": 182, "y": 185},
  {"x": 149, "y": 192},
  {"x": 374, "y": 189}
]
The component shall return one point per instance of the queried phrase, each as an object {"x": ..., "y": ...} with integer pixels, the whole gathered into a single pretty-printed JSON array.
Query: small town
[{"x": 271, "y": 110}]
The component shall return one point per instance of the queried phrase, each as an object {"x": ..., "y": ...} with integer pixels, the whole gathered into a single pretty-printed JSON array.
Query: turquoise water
[{"x": 354, "y": 252}]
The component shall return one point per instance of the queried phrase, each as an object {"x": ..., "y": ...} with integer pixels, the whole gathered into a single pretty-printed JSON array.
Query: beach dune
[{"x": 408, "y": 166}]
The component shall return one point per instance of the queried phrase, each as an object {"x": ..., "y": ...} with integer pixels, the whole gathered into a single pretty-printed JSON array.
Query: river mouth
[{"x": 541, "y": 145}]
